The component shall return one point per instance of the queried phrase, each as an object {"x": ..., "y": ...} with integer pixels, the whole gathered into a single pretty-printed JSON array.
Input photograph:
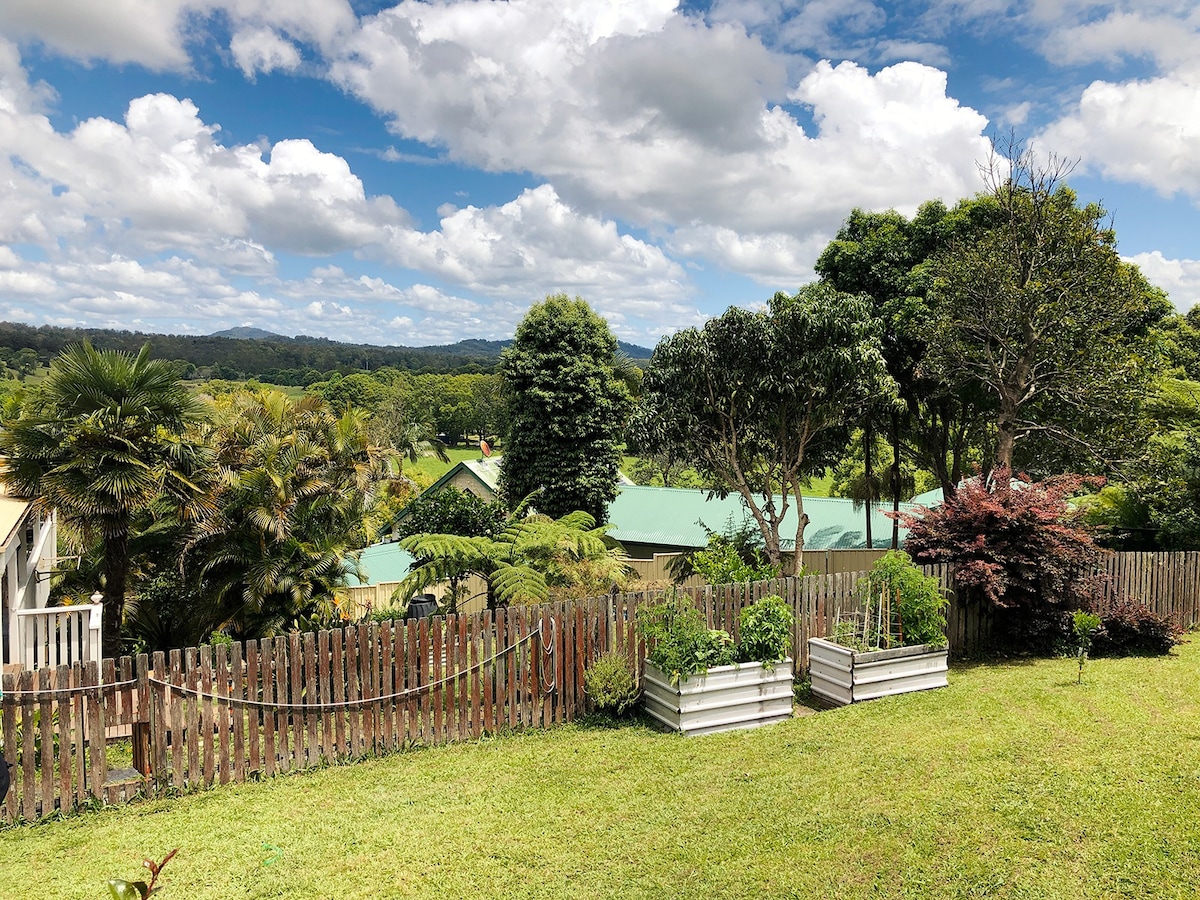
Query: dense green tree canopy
[
  {"x": 765, "y": 399},
  {"x": 567, "y": 410},
  {"x": 1039, "y": 312},
  {"x": 451, "y": 511},
  {"x": 295, "y": 490}
]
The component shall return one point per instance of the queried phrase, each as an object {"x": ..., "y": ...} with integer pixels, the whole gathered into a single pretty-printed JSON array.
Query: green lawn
[
  {"x": 434, "y": 468},
  {"x": 1014, "y": 782}
]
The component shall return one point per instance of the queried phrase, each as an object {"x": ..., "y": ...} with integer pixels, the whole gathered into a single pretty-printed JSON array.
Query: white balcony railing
[{"x": 59, "y": 635}]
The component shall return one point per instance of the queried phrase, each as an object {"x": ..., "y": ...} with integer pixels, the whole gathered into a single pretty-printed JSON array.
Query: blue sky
[{"x": 419, "y": 173}]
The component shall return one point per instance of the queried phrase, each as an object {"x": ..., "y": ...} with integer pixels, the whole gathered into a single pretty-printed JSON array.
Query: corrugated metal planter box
[
  {"x": 728, "y": 697},
  {"x": 841, "y": 676}
]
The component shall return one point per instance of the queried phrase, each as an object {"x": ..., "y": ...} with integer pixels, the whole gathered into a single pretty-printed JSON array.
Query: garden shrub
[
  {"x": 766, "y": 630},
  {"x": 722, "y": 562},
  {"x": 1132, "y": 628},
  {"x": 681, "y": 643},
  {"x": 1017, "y": 546},
  {"x": 611, "y": 684}
]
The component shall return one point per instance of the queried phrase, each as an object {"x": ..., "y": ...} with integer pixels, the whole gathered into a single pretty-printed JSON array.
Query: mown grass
[
  {"x": 1014, "y": 782},
  {"x": 433, "y": 468}
]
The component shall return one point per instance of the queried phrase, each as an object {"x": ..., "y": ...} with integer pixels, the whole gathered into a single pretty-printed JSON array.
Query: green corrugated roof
[
  {"x": 672, "y": 516},
  {"x": 383, "y": 562}
]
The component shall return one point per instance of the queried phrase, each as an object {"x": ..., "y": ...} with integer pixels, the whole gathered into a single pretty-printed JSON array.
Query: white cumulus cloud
[
  {"x": 1180, "y": 278},
  {"x": 1142, "y": 131}
]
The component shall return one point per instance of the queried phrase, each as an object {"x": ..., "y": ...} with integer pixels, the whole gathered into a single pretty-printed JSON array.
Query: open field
[
  {"x": 434, "y": 468},
  {"x": 1014, "y": 782}
]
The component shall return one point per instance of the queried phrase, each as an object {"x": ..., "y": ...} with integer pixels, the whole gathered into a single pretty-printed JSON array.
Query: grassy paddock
[
  {"x": 1014, "y": 782},
  {"x": 434, "y": 468}
]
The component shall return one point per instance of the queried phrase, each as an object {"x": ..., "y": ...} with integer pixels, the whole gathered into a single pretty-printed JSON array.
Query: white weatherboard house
[{"x": 31, "y": 633}]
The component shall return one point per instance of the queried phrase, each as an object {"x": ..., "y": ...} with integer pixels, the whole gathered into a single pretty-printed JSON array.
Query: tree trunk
[
  {"x": 895, "y": 479},
  {"x": 116, "y": 569},
  {"x": 1006, "y": 434},
  {"x": 802, "y": 523},
  {"x": 868, "y": 440}
]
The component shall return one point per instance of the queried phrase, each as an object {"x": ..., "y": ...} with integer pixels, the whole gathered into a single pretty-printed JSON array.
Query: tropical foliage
[
  {"x": 101, "y": 440},
  {"x": 522, "y": 563},
  {"x": 294, "y": 488}
]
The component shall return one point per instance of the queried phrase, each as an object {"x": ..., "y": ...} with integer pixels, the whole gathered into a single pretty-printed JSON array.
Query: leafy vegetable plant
[
  {"x": 681, "y": 643},
  {"x": 766, "y": 632},
  {"x": 904, "y": 605}
]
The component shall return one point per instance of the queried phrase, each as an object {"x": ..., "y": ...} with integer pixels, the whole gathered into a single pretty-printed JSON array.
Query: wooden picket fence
[
  {"x": 214, "y": 715},
  {"x": 1168, "y": 583},
  {"x": 203, "y": 716},
  {"x": 230, "y": 713}
]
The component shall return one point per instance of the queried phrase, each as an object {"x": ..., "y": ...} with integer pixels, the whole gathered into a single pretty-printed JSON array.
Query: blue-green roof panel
[{"x": 673, "y": 516}]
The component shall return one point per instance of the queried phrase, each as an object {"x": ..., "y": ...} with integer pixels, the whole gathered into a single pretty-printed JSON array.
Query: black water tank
[{"x": 422, "y": 606}]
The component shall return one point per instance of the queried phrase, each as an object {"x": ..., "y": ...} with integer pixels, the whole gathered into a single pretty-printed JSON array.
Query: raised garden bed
[
  {"x": 841, "y": 676},
  {"x": 725, "y": 698}
]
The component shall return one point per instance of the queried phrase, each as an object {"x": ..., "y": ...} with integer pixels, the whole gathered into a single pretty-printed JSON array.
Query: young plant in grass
[
  {"x": 1085, "y": 625},
  {"x": 120, "y": 889},
  {"x": 611, "y": 685}
]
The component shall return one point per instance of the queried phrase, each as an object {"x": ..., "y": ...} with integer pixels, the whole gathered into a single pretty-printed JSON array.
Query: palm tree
[
  {"x": 101, "y": 441},
  {"x": 295, "y": 492}
]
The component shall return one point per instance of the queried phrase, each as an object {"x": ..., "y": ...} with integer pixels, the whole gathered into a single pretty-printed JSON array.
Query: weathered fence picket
[{"x": 207, "y": 715}]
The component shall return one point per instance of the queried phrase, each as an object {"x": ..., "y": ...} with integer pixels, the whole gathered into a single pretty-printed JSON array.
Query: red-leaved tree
[{"x": 1013, "y": 544}]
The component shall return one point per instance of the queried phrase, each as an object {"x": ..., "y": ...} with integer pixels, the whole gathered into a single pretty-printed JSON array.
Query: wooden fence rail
[{"x": 213, "y": 715}]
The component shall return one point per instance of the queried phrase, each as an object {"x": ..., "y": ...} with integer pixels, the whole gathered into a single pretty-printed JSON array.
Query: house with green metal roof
[{"x": 649, "y": 520}]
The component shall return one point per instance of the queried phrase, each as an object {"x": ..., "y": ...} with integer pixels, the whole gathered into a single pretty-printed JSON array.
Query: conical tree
[
  {"x": 100, "y": 440},
  {"x": 568, "y": 405}
]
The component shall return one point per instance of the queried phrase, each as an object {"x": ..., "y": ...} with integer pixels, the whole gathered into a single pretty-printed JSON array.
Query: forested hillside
[{"x": 279, "y": 360}]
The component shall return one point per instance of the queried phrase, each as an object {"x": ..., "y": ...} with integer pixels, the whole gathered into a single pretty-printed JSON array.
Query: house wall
[
  {"x": 465, "y": 481},
  {"x": 28, "y": 558}
]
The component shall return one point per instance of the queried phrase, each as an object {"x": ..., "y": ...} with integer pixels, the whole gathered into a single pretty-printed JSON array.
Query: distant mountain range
[
  {"x": 246, "y": 352},
  {"x": 474, "y": 347}
]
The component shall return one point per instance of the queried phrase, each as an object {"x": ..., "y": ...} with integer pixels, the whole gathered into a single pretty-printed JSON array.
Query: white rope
[
  {"x": 347, "y": 704},
  {"x": 67, "y": 692}
]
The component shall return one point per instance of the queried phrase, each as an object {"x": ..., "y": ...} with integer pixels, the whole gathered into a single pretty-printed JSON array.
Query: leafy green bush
[
  {"x": 766, "y": 633},
  {"x": 721, "y": 562},
  {"x": 1131, "y": 628},
  {"x": 916, "y": 599},
  {"x": 611, "y": 684},
  {"x": 681, "y": 643}
]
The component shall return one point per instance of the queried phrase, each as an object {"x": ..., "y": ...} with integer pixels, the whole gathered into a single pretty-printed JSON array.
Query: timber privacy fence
[{"x": 231, "y": 713}]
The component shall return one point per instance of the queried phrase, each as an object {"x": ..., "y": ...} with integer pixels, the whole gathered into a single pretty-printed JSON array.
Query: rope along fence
[{"x": 213, "y": 715}]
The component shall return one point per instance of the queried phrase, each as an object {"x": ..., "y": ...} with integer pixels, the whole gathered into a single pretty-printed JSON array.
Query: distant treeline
[{"x": 279, "y": 360}]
